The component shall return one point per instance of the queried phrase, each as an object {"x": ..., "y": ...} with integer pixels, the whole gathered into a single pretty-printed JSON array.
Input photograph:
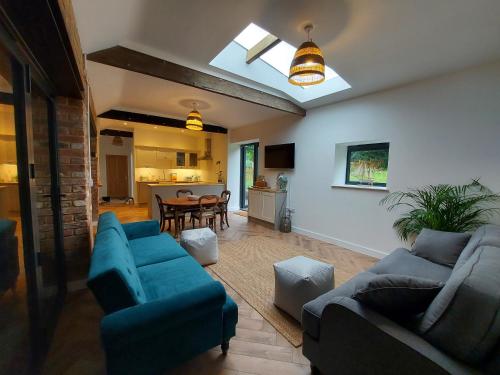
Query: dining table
[{"x": 184, "y": 204}]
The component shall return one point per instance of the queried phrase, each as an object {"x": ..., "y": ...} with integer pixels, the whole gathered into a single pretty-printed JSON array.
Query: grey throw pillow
[
  {"x": 398, "y": 296},
  {"x": 440, "y": 247}
]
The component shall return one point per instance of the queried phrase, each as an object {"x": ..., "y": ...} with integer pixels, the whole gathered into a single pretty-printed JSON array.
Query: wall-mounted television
[{"x": 280, "y": 156}]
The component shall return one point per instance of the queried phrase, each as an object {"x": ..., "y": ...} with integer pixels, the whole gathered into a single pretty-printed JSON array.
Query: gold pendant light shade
[
  {"x": 308, "y": 65},
  {"x": 193, "y": 121}
]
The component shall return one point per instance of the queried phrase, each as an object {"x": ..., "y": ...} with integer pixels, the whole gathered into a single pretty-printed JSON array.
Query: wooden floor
[{"x": 257, "y": 348}]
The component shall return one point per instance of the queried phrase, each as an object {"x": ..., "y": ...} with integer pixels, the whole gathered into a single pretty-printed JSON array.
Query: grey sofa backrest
[
  {"x": 486, "y": 235},
  {"x": 464, "y": 318}
]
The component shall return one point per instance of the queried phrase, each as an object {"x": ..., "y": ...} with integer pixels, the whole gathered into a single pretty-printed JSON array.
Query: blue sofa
[{"x": 161, "y": 307}]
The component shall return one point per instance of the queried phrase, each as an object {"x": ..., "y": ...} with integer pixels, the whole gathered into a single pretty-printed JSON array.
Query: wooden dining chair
[
  {"x": 221, "y": 209},
  {"x": 183, "y": 192},
  {"x": 206, "y": 211},
  {"x": 165, "y": 214}
]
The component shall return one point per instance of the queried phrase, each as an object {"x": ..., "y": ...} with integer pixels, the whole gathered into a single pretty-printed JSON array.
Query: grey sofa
[{"x": 459, "y": 333}]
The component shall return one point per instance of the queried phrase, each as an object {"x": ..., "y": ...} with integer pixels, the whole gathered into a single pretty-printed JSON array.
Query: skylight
[{"x": 278, "y": 59}]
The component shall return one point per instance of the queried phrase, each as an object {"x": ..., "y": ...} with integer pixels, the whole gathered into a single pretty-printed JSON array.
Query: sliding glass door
[
  {"x": 249, "y": 166},
  {"x": 32, "y": 280}
]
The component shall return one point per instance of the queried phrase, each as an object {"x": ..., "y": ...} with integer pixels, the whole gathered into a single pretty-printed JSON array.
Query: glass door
[
  {"x": 45, "y": 193},
  {"x": 32, "y": 279},
  {"x": 14, "y": 311},
  {"x": 249, "y": 166}
]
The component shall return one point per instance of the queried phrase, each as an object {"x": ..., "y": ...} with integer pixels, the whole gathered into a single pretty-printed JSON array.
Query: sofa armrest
[
  {"x": 360, "y": 339},
  {"x": 152, "y": 318},
  {"x": 141, "y": 229}
]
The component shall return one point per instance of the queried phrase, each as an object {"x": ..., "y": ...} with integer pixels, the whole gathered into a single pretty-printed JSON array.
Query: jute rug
[{"x": 247, "y": 266}]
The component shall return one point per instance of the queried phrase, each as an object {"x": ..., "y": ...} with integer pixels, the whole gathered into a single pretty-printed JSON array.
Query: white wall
[
  {"x": 106, "y": 147},
  {"x": 443, "y": 130}
]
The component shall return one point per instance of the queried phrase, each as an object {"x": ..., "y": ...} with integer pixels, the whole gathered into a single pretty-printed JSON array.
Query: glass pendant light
[
  {"x": 193, "y": 121},
  {"x": 308, "y": 65}
]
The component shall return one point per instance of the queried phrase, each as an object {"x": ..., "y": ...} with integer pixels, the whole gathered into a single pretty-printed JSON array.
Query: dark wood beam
[
  {"x": 262, "y": 47},
  {"x": 117, "y": 133},
  {"x": 40, "y": 26},
  {"x": 138, "y": 62},
  {"x": 114, "y": 114},
  {"x": 92, "y": 115}
]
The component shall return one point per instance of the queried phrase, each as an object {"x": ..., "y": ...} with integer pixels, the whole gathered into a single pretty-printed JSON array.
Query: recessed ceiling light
[
  {"x": 125, "y": 123},
  {"x": 156, "y": 127}
]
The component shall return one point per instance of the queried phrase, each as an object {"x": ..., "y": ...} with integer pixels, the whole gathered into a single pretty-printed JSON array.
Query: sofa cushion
[
  {"x": 402, "y": 262},
  {"x": 398, "y": 296},
  {"x": 464, "y": 318},
  {"x": 312, "y": 311},
  {"x": 108, "y": 220},
  {"x": 113, "y": 277},
  {"x": 167, "y": 279},
  {"x": 440, "y": 247},
  {"x": 486, "y": 235},
  {"x": 155, "y": 249}
]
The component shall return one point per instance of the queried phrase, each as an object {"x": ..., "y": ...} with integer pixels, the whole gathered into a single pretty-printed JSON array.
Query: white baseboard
[
  {"x": 345, "y": 244},
  {"x": 233, "y": 208}
]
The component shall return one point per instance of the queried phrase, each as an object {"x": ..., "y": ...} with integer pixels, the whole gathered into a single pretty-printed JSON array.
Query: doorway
[
  {"x": 117, "y": 176},
  {"x": 249, "y": 154}
]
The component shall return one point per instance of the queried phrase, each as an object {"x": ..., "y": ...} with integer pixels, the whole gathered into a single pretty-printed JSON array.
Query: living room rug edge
[{"x": 247, "y": 267}]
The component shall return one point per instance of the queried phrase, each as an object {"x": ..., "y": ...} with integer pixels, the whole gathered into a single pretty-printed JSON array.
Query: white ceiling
[
  {"x": 372, "y": 44},
  {"x": 126, "y": 90}
]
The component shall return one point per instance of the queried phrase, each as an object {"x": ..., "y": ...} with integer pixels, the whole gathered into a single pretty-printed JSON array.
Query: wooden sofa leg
[{"x": 225, "y": 347}]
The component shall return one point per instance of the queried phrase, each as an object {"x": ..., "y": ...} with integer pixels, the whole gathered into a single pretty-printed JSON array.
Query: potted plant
[{"x": 442, "y": 207}]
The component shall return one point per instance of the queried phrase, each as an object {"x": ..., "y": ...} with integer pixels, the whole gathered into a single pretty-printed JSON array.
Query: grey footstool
[
  {"x": 201, "y": 244},
  {"x": 300, "y": 280}
]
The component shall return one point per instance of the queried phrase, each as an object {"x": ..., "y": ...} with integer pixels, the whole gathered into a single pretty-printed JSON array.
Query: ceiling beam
[
  {"x": 262, "y": 47},
  {"x": 115, "y": 114},
  {"x": 139, "y": 62}
]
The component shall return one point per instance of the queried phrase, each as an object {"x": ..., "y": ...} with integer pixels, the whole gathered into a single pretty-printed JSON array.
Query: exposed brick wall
[{"x": 74, "y": 162}]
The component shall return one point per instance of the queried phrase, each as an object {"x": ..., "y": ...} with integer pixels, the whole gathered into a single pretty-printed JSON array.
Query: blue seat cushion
[
  {"x": 168, "y": 279},
  {"x": 155, "y": 249}
]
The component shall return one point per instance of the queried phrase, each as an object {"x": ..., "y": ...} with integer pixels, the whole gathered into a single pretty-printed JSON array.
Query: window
[
  {"x": 367, "y": 164},
  {"x": 272, "y": 67}
]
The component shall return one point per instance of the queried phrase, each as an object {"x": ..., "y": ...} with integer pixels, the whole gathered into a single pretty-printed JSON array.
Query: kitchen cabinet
[
  {"x": 267, "y": 205},
  {"x": 7, "y": 151},
  {"x": 145, "y": 158},
  {"x": 10, "y": 192},
  {"x": 143, "y": 191},
  {"x": 186, "y": 160},
  {"x": 164, "y": 159},
  {"x": 180, "y": 159},
  {"x": 193, "y": 160}
]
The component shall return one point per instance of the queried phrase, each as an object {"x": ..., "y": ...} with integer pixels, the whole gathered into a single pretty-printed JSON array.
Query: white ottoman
[
  {"x": 300, "y": 280},
  {"x": 201, "y": 244}
]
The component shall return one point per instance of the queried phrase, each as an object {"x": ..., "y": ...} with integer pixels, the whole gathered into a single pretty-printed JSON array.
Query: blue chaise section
[{"x": 161, "y": 306}]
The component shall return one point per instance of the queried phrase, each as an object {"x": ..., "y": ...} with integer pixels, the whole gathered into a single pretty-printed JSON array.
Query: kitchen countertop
[
  {"x": 266, "y": 189},
  {"x": 183, "y": 183}
]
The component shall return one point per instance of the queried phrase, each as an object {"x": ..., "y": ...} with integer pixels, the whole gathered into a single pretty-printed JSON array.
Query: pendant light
[
  {"x": 308, "y": 65},
  {"x": 193, "y": 121}
]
